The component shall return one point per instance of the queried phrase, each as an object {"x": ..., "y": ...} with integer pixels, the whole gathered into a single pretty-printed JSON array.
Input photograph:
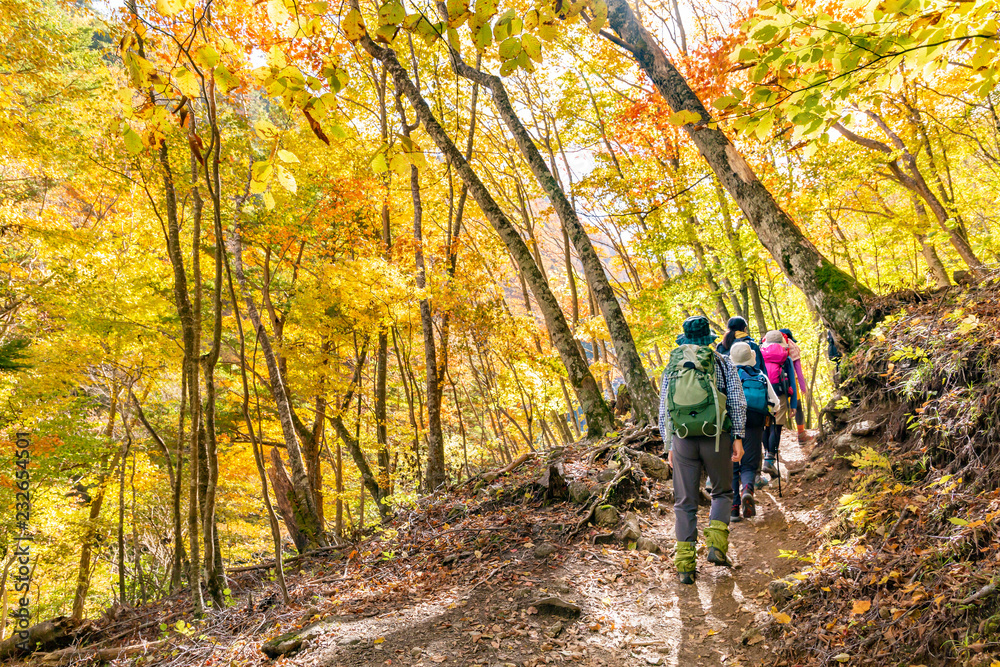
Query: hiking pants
[
  {"x": 745, "y": 471},
  {"x": 690, "y": 455},
  {"x": 772, "y": 439}
]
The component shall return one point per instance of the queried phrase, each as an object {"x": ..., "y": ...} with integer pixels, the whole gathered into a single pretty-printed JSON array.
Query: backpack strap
[{"x": 717, "y": 359}]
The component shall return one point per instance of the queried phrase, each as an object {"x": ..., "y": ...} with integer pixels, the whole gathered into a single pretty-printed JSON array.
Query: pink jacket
[
  {"x": 774, "y": 355},
  {"x": 796, "y": 356}
]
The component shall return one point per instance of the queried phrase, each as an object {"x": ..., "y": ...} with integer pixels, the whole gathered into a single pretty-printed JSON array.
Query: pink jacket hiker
[{"x": 774, "y": 355}]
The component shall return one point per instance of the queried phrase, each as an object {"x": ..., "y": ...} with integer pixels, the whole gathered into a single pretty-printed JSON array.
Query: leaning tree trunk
[
  {"x": 258, "y": 448},
  {"x": 308, "y": 514},
  {"x": 599, "y": 418},
  {"x": 644, "y": 398},
  {"x": 836, "y": 296},
  {"x": 934, "y": 264}
]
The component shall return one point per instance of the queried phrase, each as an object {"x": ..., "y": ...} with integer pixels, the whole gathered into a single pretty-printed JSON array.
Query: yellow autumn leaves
[
  {"x": 517, "y": 36},
  {"x": 858, "y": 608},
  {"x": 264, "y": 171}
]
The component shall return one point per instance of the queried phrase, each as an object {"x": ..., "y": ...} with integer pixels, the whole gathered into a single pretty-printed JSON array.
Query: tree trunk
[
  {"x": 934, "y": 264},
  {"x": 645, "y": 401},
  {"x": 368, "y": 478},
  {"x": 570, "y": 409},
  {"x": 408, "y": 393},
  {"x": 915, "y": 182},
  {"x": 311, "y": 449},
  {"x": 284, "y": 494},
  {"x": 382, "y": 351},
  {"x": 258, "y": 450},
  {"x": 436, "y": 474},
  {"x": 90, "y": 533},
  {"x": 381, "y": 427},
  {"x": 758, "y": 309},
  {"x": 599, "y": 418},
  {"x": 706, "y": 270},
  {"x": 307, "y": 514},
  {"x": 836, "y": 296},
  {"x": 213, "y": 557},
  {"x": 122, "y": 598},
  {"x": 177, "y": 562},
  {"x": 195, "y": 443},
  {"x": 339, "y": 481}
]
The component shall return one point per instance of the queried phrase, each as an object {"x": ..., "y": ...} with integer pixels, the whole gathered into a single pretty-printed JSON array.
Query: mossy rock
[
  {"x": 291, "y": 642},
  {"x": 607, "y": 516},
  {"x": 579, "y": 492},
  {"x": 285, "y": 644},
  {"x": 648, "y": 544}
]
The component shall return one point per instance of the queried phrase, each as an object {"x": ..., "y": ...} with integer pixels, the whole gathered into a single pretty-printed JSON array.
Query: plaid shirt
[{"x": 727, "y": 380}]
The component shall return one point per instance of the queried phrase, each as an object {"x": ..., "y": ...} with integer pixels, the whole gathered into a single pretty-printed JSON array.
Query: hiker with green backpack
[{"x": 702, "y": 419}]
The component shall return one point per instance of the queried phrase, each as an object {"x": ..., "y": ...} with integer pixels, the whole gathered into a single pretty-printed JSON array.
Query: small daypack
[
  {"x": 775, "y": 357},
  {"x": 783, "y": 385},
  {"x": 695, "y": 404},
  {"x": 755, "y": 390}
]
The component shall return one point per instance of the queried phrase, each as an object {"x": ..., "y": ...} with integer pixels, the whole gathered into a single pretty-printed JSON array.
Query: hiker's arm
[
  {"x": 736, "y": 402},
  {"x": 793, "y": 390},
  {"x": 800, "y": 376},
  {"x": 664, "y": 414}
]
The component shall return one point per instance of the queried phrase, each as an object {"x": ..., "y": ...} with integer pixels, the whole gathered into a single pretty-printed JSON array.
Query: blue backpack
[{"x": 755, "y": 390}]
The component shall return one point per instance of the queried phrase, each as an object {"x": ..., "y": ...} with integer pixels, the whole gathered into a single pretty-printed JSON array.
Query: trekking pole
[{"x": 777, "y": 466}]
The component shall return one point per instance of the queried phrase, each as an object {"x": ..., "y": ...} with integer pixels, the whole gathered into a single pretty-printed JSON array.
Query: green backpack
[{"x": 695, "y": 404}]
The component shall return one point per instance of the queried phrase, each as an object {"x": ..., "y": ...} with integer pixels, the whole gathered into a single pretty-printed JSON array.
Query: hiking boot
[
  {"x": 717, "y": 540},
  {"x": 685, "y": 559},
  {"x": 760, "y": 481},
  {"x": 770, "y": 467},
  {"x": 718, "y": 557},
  {"x": 749, "y": 506},
  {"x": 734, "y": 514}
]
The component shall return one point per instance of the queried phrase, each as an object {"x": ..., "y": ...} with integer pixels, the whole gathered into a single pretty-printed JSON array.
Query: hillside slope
[{"x": 909, "y": 568}]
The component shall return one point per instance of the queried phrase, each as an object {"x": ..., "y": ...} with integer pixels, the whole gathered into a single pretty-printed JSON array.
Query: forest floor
[
  {"x": 469, "y": 580},
  {"x": 634, "y": 611}
]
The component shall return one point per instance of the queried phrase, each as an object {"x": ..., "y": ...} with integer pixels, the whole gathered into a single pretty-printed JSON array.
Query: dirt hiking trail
[{"x": 621, "y": 607}]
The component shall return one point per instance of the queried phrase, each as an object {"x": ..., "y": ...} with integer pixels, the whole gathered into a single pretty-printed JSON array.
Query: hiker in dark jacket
[
  {"x": 833, "y": 352},
  {"x": 737, "y": 333},
  {"x": 761, "y": 401},
  {"x": 688, "y": 455}
]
